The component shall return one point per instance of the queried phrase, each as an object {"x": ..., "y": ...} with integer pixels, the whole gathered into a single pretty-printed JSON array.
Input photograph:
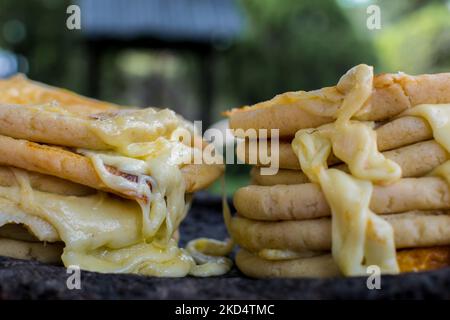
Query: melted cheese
[
  {"x": 146, "y": 144},
  {"x": 359, "y": 237},
  {"x": 438, "y": 117},
  {"x": 210, "y": 254},
  {"x": 152, "y": 144},
  {"x": 104, "y": 233}
]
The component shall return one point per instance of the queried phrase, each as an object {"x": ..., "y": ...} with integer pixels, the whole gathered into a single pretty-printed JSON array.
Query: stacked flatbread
[
  {"x": 96, "y": 185},
  {"x": 363, "y": 180}
]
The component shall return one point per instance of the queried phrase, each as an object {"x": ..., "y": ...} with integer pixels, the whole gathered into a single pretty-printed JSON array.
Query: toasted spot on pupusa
[{"x": 409, "y": 260}]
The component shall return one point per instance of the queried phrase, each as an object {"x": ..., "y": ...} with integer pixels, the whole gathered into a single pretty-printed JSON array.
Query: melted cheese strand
[
  {"x": 438, "y": 117},
  {"x": 359, "y": 237},
  {"x": 209, "y": 254},
  {"x": 125, "y": 128},
  {"x": 146, "y": 144}
]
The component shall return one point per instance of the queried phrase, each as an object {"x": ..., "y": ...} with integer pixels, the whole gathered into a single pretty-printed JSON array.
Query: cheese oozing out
[
  {"x": 101, "y": 233},
  {"x": 146, "y": 143},
  {"x": 153, "y": 144},
  {"x": 105, "y": 234},
  {"x": 359, "y": 237}
]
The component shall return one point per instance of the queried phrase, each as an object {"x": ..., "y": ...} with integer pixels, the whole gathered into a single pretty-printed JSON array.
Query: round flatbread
[
  {"x": 68, "y": 165},
  {"x": 43, "y": 252},
  {"x": 412, "y": 229},
  {"x": 411, "y": 260},
  {"x": 392, "y": 94},
  {"x": 415, "y": 160},
  {"x": 307, "y": 201},
  {"x": 20, "y": 90}
]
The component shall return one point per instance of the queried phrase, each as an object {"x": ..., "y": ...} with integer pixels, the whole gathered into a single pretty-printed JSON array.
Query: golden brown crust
[
  {"x": 410, "y": 260},
  {"x": 306, "y": 201},
  {"x": 38, "y": 124},
  {"x": 392, "y": 94},
  {"x": 55, "y": 126},
  {"x": 22, "y": 91},
  {"x": 411, "y": 230},
  {"x": 67, "y": 165},
  {"x": 48, "y": 127},
  {"x": 422, "y": 259}
]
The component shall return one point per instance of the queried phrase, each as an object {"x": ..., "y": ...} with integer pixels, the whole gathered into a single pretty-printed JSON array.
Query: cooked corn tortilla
[
  {"x": 283, "y": 176},
  {"x": 306, "y": 201},
  {"x": 21, "y": 91},
  {"x": 43, "y": 252},
  {"x": 41, "y": 125},
  {"x": 58, "y": 125},
  {"x": 392, "y": 94},
  {"x": 415, "y": 160},
  {"x": 411, "y": 229},
  {"x": 393, "y": 135},
  {"x": 45, "y": 183},
  {"x": 410, "y": 260},
  {"x": 68, "y": 165}
]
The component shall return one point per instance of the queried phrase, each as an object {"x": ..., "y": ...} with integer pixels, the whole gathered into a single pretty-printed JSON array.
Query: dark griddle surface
[{"x": 33, "y": 280}]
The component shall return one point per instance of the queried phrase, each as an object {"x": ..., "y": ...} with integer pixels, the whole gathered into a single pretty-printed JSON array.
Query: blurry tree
[
  {"x": 289, "y": 45},
  {"x": 37, "y": 30},
  {"x": 418, "y": 42},
  {"x": 414, "y": 36}
]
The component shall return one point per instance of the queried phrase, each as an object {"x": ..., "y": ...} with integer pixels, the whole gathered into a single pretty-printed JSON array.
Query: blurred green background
[{"x": 264, "y": 47}]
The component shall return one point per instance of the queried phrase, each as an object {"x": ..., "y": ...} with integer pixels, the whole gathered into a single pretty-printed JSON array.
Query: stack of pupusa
[
  {"x": 98, "y": 186},
  {"x": 364, "y": 179}
]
